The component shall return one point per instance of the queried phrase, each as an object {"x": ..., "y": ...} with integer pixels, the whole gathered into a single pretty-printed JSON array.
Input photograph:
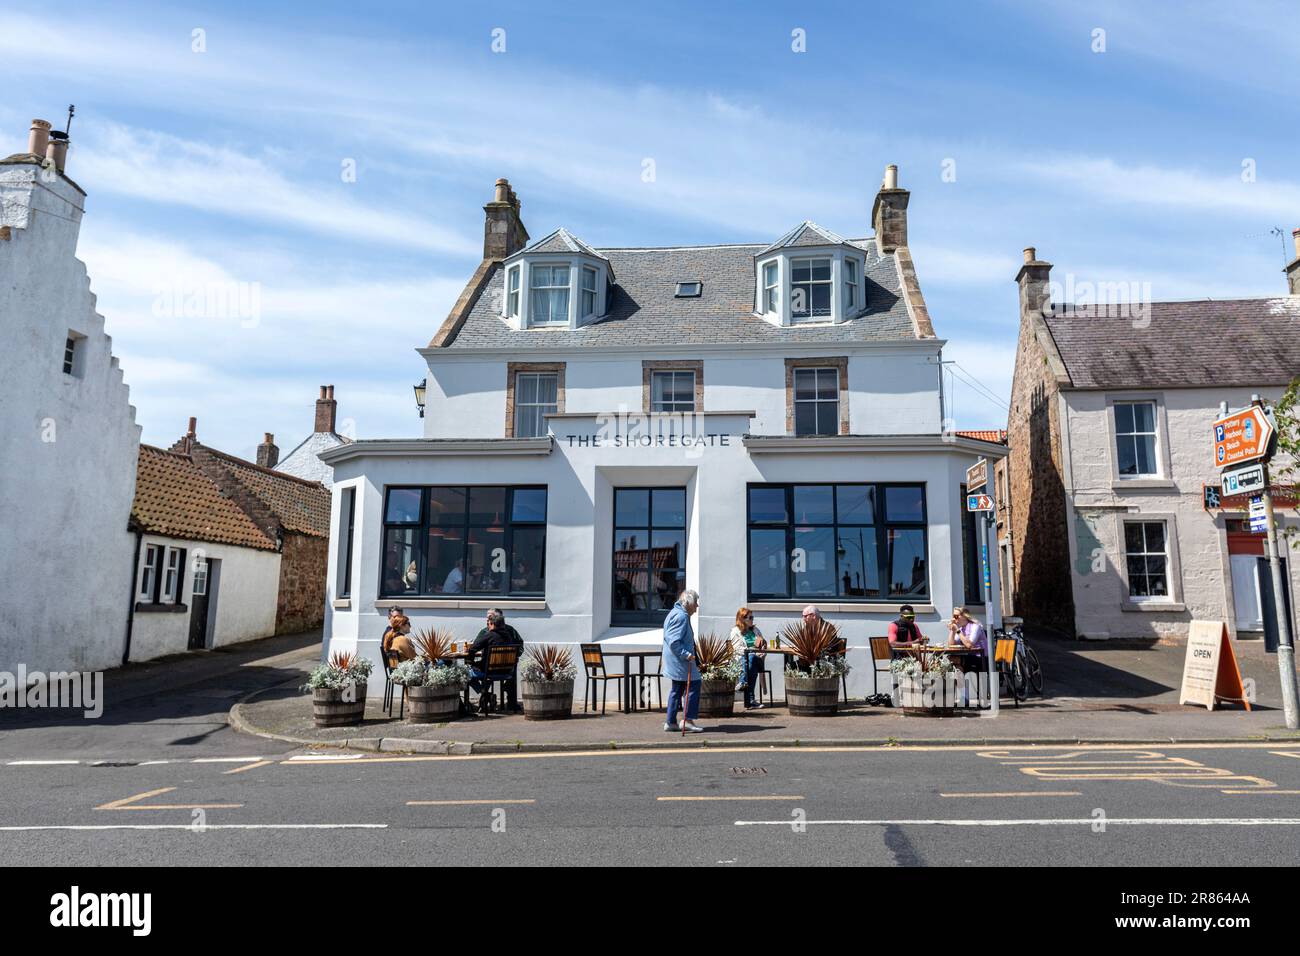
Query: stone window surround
[
  {"x": 650, "y": 366},
  {"x": 1173, "y": 568},
  {"x": 512, "y": 370},
  {"x": 1165, "y": 479},
  {"x": 838, "y": 362}
]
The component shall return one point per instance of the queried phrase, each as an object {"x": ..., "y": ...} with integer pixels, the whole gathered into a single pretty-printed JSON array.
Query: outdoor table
[
  {"x": 786, "y": 652},
  {"x": 962, "y": 653},
  {"x": 632, "y": 681}
]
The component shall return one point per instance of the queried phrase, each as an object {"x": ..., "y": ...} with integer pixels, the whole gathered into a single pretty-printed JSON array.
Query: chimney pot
[
  {"x": 57, "y": 149},
  {"x": 38, "y": 137},
  {"x": 891, "y": 177},
  {"x": 889, "y": 213},
  {"x": 329, "y": 391},
  {"x": 502, "y": 191},
  {"x": 1030, "y": 253},
  {"x": 322, "y": 392},
  {"x": 192, "y": 433}
]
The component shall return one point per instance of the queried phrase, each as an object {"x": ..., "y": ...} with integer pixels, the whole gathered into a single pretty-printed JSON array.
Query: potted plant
[
  {"x": 546, "y": 683},
  {"x": 927, "y": 687},
  {"x": 719, "y": 671},
  {"x": 812, "y": 678},
  {"x": 433, "y": 683},
  {"x": 338, "y": 690}
]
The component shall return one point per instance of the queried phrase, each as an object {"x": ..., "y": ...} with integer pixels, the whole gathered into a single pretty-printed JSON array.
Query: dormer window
[
  {"x": 810, "y": 276},
  {"x": 569, "y": 284},
  {"x": 512, "y": 292},
  {"x": 550, "y": 295},
  {"x": 810, "y": 289},
  {"x": 850, "y": 285},
  {"x": 771, "y": 289},
  {"x": 588, "y": 292}
]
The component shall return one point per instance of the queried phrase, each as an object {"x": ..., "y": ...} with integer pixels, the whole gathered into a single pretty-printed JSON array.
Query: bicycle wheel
[
  {"x": 1019, "y": 680},
  {"x": 1033, "y": 671}
]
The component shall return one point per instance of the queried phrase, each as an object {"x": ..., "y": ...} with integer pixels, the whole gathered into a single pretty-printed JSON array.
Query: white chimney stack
[{"x": 891, "y": 177}]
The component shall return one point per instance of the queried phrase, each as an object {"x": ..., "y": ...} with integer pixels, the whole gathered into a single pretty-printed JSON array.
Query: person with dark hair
[{"x": 904, "y": 630}]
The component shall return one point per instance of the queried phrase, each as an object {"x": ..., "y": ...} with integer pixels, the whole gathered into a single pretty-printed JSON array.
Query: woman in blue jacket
[{"x": 679, "y": 663}]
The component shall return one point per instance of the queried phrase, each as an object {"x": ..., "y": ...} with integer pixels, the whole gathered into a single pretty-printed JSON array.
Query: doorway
[{"x": 203, "y": 602}]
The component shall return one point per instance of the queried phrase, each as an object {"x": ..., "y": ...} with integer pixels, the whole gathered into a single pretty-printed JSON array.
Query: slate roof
[
  {"x": 807, "y": 233},
  {"x": 173, "y": 497},
  {"x": 1203, "y": 343},
  {"x": 561, "y": 240},
  {"x": 644, "y": 312},
  {"x": 304, "y": 460}
]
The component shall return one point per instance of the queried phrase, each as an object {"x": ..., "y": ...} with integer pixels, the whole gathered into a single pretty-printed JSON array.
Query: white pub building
[{"x": 605, "y": 427}]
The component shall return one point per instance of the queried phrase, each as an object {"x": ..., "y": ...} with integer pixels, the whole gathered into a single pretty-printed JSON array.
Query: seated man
[
  {"x": 497, "y": 633},
  {"x": 904, "y": 630}
]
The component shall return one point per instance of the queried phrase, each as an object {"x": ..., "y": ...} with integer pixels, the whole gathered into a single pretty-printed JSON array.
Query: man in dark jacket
[{"x": 496, "y": 633}]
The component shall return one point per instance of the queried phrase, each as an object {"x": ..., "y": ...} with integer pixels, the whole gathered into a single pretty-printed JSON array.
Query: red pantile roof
[
  {"x": 985, "y": 434},
  {"x": 173, "y": 497},
  {"x": 296, "y": 503}
]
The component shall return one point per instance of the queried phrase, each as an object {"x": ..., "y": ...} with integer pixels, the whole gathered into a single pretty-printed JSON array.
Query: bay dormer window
[
  {"x": 549, "y": 303},
  {"x": 568, "y": 284},
  {"x": 512, "y": 292},
  {"x": 588, "y": 304},
  {"x": 810, "y": 277}
]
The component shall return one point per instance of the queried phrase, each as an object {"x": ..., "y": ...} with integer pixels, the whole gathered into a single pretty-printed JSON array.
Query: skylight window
[{"x": 688, "y": 290}]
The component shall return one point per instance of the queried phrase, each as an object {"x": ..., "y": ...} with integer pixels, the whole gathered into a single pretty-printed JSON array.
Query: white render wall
[
  {"x": 580, "y": 483},
  {"x": 68, "y": 444},
  {"x": 246, "y": 597},
  {"x": 1202, "y": 587},
  {"x": 893, "y": 387}
]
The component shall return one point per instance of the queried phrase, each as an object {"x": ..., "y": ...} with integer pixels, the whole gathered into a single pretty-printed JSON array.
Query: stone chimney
[
  {"x": 1293, "y": 269},
  {"x": 268, "y": 456},
  {"x": 503, "y": 231},
  {"x": 1034, "y": 278},
  {"x": 191, "y": 437},
  {"x": 38, "y": 138},
  {"x": 326, "y": 409},
  {"x": 889, "y": 213}
]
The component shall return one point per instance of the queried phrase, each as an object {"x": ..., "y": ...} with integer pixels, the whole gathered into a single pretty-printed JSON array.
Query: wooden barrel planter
[
  {"x": 546, "y": 700},
  {"x": 939, "y": 700},
  {"x": 330, "y": 709},
  {"x": 432, "y": 705},
  {"x": 812, "y": 696},
  {"x": 717, "y": 698}
]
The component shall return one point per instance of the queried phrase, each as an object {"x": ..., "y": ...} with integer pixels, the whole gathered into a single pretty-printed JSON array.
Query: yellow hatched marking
[{"x": 131, "y": 803}]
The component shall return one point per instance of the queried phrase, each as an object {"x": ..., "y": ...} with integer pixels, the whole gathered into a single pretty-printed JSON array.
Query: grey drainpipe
[{"x": 130, "y": 614}]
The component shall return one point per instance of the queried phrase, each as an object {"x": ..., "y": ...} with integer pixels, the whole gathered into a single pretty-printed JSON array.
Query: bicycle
[{"x": 1026, "y": 671}]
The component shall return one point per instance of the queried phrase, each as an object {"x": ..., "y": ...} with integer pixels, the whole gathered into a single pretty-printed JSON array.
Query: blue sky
[{"x": 223, "y": 168}]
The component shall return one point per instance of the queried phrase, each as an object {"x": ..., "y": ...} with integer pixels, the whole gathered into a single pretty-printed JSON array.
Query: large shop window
[
  {"x": 649, "y": 553},
  {"x": 483, "y": 541},
  {"x": 854, "y": 542}
]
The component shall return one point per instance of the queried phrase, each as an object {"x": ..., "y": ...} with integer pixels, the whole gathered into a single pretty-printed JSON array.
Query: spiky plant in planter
[
  {"x": 432, "y": 644},
  {"x": 812, "y": 679},
  {"x": 547, "y": 682},
  {"x": 719, "y": 670},
  {"x": 338, "y": 689}
]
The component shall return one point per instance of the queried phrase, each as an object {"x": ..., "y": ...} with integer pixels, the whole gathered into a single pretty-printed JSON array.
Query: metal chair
[
  {"x": 656, "y": 676},
  {"x": 500, "y": 669},
  {"x": 881, "y": 651},
  {"x": 593, "y": 661},
  {"x": 763, "y": 678},
  {"x": 390, "y": 659}
]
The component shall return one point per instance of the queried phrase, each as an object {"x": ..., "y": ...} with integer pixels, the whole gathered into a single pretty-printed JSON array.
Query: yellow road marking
[
  {"x": 729, "y": 798},
  {"x": 462, "y": 803},
  {"x": 130, "y": 803},
  {"x": 250, "y": 766},
  {"x": 1284, "y": 753},
  {"x": 1019, "y": 793},
  {"x": 706, "y": 751}
]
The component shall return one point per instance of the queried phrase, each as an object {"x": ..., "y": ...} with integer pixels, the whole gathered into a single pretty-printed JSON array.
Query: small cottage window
[
  {"x": 771, "y": 289},
  {"x": 549, "y": 302},
  {"x": 588, "y": 300},
  {"x": 512, "y": 293},
  {"x": 850, "y": 285}
]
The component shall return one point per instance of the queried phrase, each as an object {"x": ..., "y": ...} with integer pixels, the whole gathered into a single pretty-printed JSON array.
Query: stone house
[{"x": 1105, "y": 525}]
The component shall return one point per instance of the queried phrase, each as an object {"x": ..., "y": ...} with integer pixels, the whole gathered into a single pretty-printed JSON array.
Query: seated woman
[
  {"x": 395, "y": 637},
  {"x": 745, "y": 636}
]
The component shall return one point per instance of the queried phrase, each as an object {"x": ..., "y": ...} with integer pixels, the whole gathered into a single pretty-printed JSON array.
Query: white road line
[
  {"x": 1086, "y": 821},
  {"x": 225, "y": 759},
  {"x": 209, "y": 826},
  {"x": 152, "y": 763},
  {"x": 40, "y": 763}
]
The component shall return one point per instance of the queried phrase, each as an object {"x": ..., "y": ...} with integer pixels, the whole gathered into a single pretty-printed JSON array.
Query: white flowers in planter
[
  {"x": 419, "y": 673},
  {"x": 343, "y": 670}
]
